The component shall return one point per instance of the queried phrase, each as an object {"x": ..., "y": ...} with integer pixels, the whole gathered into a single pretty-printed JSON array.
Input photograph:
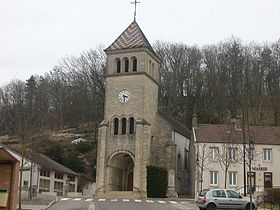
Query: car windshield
[{"x": 203, "y": 192}]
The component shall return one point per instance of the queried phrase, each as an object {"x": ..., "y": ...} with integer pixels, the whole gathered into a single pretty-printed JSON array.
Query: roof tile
[
  {"x": 132, "y": 37},
  {"x": 210, "y": 133},
  {"x": 177, "y": 126}
]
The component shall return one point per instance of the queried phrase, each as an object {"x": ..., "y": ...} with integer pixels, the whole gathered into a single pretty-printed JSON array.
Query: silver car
[{"x": 223, "y": 199}]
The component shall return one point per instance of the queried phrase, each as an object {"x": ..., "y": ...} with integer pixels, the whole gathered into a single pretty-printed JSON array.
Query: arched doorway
[{"x": 121, "y": 166}]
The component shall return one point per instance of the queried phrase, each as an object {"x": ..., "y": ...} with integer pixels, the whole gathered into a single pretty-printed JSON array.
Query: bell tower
[
  {"x": 131, "y": 105},
  {"x": 132, "y": 68}
]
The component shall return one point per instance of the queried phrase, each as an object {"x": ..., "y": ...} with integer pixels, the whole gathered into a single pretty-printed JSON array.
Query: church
[{"x": 135, "y": 133}]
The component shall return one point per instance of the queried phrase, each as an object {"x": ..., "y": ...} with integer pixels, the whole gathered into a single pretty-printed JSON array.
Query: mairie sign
[{"x": 259, "y": 168}]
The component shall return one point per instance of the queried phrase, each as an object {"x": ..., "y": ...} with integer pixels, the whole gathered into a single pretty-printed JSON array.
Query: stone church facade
[{"x": 134, "y": 132}]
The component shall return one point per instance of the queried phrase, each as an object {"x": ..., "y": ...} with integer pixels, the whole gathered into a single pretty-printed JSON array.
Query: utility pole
[
  {"x": 244, "y": 148},
  {"x": 31, "y": 171},
  {"x": 21, "y": 168}
]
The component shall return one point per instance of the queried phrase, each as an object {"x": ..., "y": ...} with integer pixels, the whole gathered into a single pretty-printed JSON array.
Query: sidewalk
[
  {"x": 32, "y": 207},
  {"x": 37, "y": 203}
]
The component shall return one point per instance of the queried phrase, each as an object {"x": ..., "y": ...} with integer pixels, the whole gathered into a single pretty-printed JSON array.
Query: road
[{"x": 120, "y": 204}]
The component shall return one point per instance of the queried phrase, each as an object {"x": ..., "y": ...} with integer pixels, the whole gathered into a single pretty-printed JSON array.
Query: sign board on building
[{"x": 259, "y": 168}]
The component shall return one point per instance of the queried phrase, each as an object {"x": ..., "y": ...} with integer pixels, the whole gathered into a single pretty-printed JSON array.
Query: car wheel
[
  {"x": 211, "y": 206},
  {"x": 248, "y": 206}
]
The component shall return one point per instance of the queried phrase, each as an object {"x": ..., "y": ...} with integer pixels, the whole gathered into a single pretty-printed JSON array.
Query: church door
[
  {"x": 121, "y": 168},
  {"x": 130, "y": 182}
]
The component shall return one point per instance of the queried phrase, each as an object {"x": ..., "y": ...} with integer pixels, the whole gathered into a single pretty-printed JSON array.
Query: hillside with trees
[{"x": 216, "y": 81}]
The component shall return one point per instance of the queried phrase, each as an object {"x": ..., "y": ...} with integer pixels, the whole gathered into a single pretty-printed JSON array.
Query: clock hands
[{"x": 125, "y": 96}]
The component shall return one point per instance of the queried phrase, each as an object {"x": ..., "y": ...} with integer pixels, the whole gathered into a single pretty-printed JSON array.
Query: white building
[
  {"x": 219, "y": 156},
  {"x": 46, "y": 175},
  {"x": 55, "y": 177}
]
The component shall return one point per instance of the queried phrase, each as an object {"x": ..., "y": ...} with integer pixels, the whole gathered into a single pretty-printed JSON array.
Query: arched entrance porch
[{"x": 120, "y": 167}]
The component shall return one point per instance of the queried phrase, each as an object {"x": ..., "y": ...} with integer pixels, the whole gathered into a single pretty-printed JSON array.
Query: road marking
[
  {"x": 161, "y": 201},
  {"x": 114, "y": 200},
  {"x": 77, "y": 199},
  {"x": 65, "y": 199},
  {"x": 125, "y": 200},
  {"x": 139, "y": 201},
  {"x": 101, "y": 199},
  {"x": 149, "y": 201},
  {"x": 185, "y": 202},
  {"x": 89, "y": 199},
  {"x": 172, "y": 202}
]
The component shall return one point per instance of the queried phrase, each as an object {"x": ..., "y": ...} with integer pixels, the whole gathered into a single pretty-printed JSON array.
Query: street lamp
[
  {"x": 251, "y": 149},
  {"x": 244, "y": 145},
  {"x": 197, "y": 174}
]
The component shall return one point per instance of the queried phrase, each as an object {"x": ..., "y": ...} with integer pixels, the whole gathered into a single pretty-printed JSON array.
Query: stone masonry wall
[{"x": 161, "y": 134}]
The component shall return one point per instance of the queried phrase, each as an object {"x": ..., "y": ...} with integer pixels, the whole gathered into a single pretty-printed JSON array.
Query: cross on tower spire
[{"x": 135, "y": 2}]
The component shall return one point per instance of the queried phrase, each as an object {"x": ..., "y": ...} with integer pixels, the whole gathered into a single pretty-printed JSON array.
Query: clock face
[{"x": 123, "y": 96}]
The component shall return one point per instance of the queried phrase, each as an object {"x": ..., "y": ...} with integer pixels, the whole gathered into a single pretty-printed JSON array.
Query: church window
[
  {"x": 118, "y": 62},
  {"x": 134, "y": 64},
  {"x": 131, "y": 125},
  {"x": 153, "y": 69},
  {"x": 126, "y": 65},
  {"x": 123, "y": 126},
  {"x": 116, "y": 126},
  {"x": 179, "y": 162},
  {"x": 186, "y": 160}
]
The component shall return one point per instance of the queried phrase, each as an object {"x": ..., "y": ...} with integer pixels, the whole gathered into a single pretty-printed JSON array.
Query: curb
[{"x": 50, "y": 204}]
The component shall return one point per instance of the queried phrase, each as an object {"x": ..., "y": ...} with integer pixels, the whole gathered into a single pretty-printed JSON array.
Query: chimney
[
  {"x": 194, "y": 120},
  {"x": 236, "y": 123}
]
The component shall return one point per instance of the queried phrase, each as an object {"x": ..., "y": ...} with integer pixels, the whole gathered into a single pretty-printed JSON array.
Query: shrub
[
  {"x": 156, "y": 182},
  {"x": 83, "y": 147},
  {"x": 273, "y": 195},
  {"x": 73, "y": 162},
  {"x": 55, "y": 151}
]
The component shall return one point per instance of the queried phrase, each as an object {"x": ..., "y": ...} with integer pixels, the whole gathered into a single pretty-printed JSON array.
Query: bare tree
[
  {"x": 228, "y": 153},
  {"x": 202, "y": 161}
]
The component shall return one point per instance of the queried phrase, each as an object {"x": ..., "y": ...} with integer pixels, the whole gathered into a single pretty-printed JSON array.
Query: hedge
[
  {"x": 156, "y": 182},
  {"x": 273, "y": 195}
]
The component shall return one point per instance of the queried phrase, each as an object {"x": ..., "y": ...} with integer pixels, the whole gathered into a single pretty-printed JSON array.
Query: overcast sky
[{"x": 36, "y": 34}]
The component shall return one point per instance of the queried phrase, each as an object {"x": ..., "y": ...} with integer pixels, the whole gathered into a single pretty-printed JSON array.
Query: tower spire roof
[{"x": 131, "y": 38}]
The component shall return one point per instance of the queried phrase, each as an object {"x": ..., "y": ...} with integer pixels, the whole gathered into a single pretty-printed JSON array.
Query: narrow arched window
[
  {"x": 131, "y": 125},
  {"x": 186, "y": 160},
  {"x": 123, "y": 126},
  {"x": 116, "y": 126},
  {"x": 118, "y": 63},
  {"x": 134, "y": 64},
  {"x": 179, "y": 162},
  {"x": 153, "y": 70},
  {"x": 126, "y": 65}
]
